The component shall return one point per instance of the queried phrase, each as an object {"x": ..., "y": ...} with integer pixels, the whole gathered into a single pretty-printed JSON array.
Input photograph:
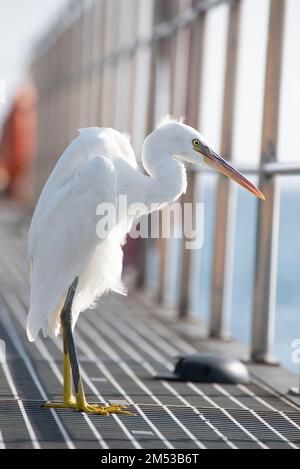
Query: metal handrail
[
  {"x": 268, "y": 169},
  {"x": 161, "y": 31},
  {"x": 52, "y": 70},
  {"x": 281, "y": 169}
]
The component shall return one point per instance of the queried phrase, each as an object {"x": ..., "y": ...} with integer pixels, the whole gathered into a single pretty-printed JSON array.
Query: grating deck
[{"x": 121, "y": 348}]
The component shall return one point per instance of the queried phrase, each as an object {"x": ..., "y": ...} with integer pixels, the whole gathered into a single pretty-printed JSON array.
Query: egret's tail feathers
[
  {"x": 31, "y": 333},
  {"x": 33, "y": 326},
  {"x": 120, "y": 288},
  {"x": 49, "y": 322},
  {"x": 103, "y": 274}
]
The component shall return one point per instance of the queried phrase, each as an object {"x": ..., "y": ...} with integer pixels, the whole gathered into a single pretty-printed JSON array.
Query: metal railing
[{"x": 101, "y": 68}]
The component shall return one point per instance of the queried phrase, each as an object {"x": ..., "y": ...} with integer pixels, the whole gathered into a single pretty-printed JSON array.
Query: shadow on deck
[{"x": 121, "y": 347}]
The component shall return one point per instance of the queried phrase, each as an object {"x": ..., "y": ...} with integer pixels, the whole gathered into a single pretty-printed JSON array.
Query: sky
[{"x": 22, "y": 22}]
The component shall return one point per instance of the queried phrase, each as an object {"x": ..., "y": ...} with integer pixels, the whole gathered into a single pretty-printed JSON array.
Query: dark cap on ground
[{"x": 208, "y": 368}]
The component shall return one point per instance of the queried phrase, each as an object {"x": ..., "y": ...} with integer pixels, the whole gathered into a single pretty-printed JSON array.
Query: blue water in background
[{"x": 288, "y": 286}]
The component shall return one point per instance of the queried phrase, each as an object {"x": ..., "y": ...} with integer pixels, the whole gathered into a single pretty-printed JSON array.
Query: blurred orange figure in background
[{"x": 18, "y": 146}]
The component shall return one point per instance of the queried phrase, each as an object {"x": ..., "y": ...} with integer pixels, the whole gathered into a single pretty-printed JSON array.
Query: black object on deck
[{"x": 208, "y": 368}]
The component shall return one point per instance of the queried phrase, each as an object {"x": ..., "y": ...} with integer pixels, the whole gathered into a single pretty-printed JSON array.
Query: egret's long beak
[{"x": 218, "y": 163}]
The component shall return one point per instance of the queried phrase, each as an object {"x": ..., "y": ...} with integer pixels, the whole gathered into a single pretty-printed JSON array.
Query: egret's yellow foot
[
  {"x": 71, "y": 370},
  {"x": 71, "y": 404},
  {"x": 103, "y": 410},
  {"x": 88, "y": 408},
  {"x": 84, "y": 406}
]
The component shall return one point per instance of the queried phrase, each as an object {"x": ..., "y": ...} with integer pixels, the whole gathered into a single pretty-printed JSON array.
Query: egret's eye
[{"x": 196, "y": 143}]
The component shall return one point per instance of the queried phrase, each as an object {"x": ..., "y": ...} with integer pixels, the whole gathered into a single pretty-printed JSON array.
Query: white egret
[{"x": 70, "y": 265}]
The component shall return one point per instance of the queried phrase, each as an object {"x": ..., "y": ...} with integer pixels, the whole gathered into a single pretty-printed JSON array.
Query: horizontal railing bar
[
  {"x": 68, "y": 17},
  {"x": 161, "y": 31},
  {"x": 283, "y": 169},
  {"x": 208, "y": 170},
  {"x": 182, "y": 20},
  {"x": 269, "y": 169}
]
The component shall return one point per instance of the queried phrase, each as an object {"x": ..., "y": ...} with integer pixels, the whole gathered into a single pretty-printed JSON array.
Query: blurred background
[{"x": 67, "y": 64}]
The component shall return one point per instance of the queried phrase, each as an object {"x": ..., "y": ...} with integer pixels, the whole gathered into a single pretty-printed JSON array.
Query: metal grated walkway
[{"x": 121, "y": 348}]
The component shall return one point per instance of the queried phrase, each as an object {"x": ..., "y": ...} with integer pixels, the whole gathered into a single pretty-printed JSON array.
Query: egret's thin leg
[
  {"x": 69, "y": 400},
  {"x": 66, "y": 324},
  {"x": 68, "y": 394},
  {"x": 71, "y": 364}
]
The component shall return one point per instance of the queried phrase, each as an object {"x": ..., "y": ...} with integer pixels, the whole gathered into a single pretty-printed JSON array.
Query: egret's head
[{"x": 188, "y": 145}]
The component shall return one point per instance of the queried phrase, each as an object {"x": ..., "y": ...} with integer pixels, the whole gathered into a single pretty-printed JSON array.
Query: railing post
[
  {"x": 192, "y": 112},
  {"x": 169, "y": 54},
  {"x": 86, "y": 58},
  {"x": 263, "y": 328},
  {"x": 108, "y": 88},
  {"x": 150, "y": 121},
  {"x": 97, "y": 52},
  {"x": 75, "y": 82},
  {"x": 219, "y": 322},
  {"x": 143, "y": 242}
]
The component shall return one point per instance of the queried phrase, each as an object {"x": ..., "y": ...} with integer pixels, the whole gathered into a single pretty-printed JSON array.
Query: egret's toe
[
  {"x": 104, "y": 410},
  {"x": 71, "y": 404}
]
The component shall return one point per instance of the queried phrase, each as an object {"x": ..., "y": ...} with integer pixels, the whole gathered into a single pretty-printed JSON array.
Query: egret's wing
[
  {"x": 91, "y": 143},
  {"x": 65, "y": 238}
]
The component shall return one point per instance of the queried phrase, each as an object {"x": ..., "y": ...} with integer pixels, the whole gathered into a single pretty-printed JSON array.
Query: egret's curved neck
[{"x": 167, "y": 179}]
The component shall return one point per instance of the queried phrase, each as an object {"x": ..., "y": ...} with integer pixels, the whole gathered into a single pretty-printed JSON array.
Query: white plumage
[
  {"x": 97, "y": 168},
  {"x": 63, "y": 242}
]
